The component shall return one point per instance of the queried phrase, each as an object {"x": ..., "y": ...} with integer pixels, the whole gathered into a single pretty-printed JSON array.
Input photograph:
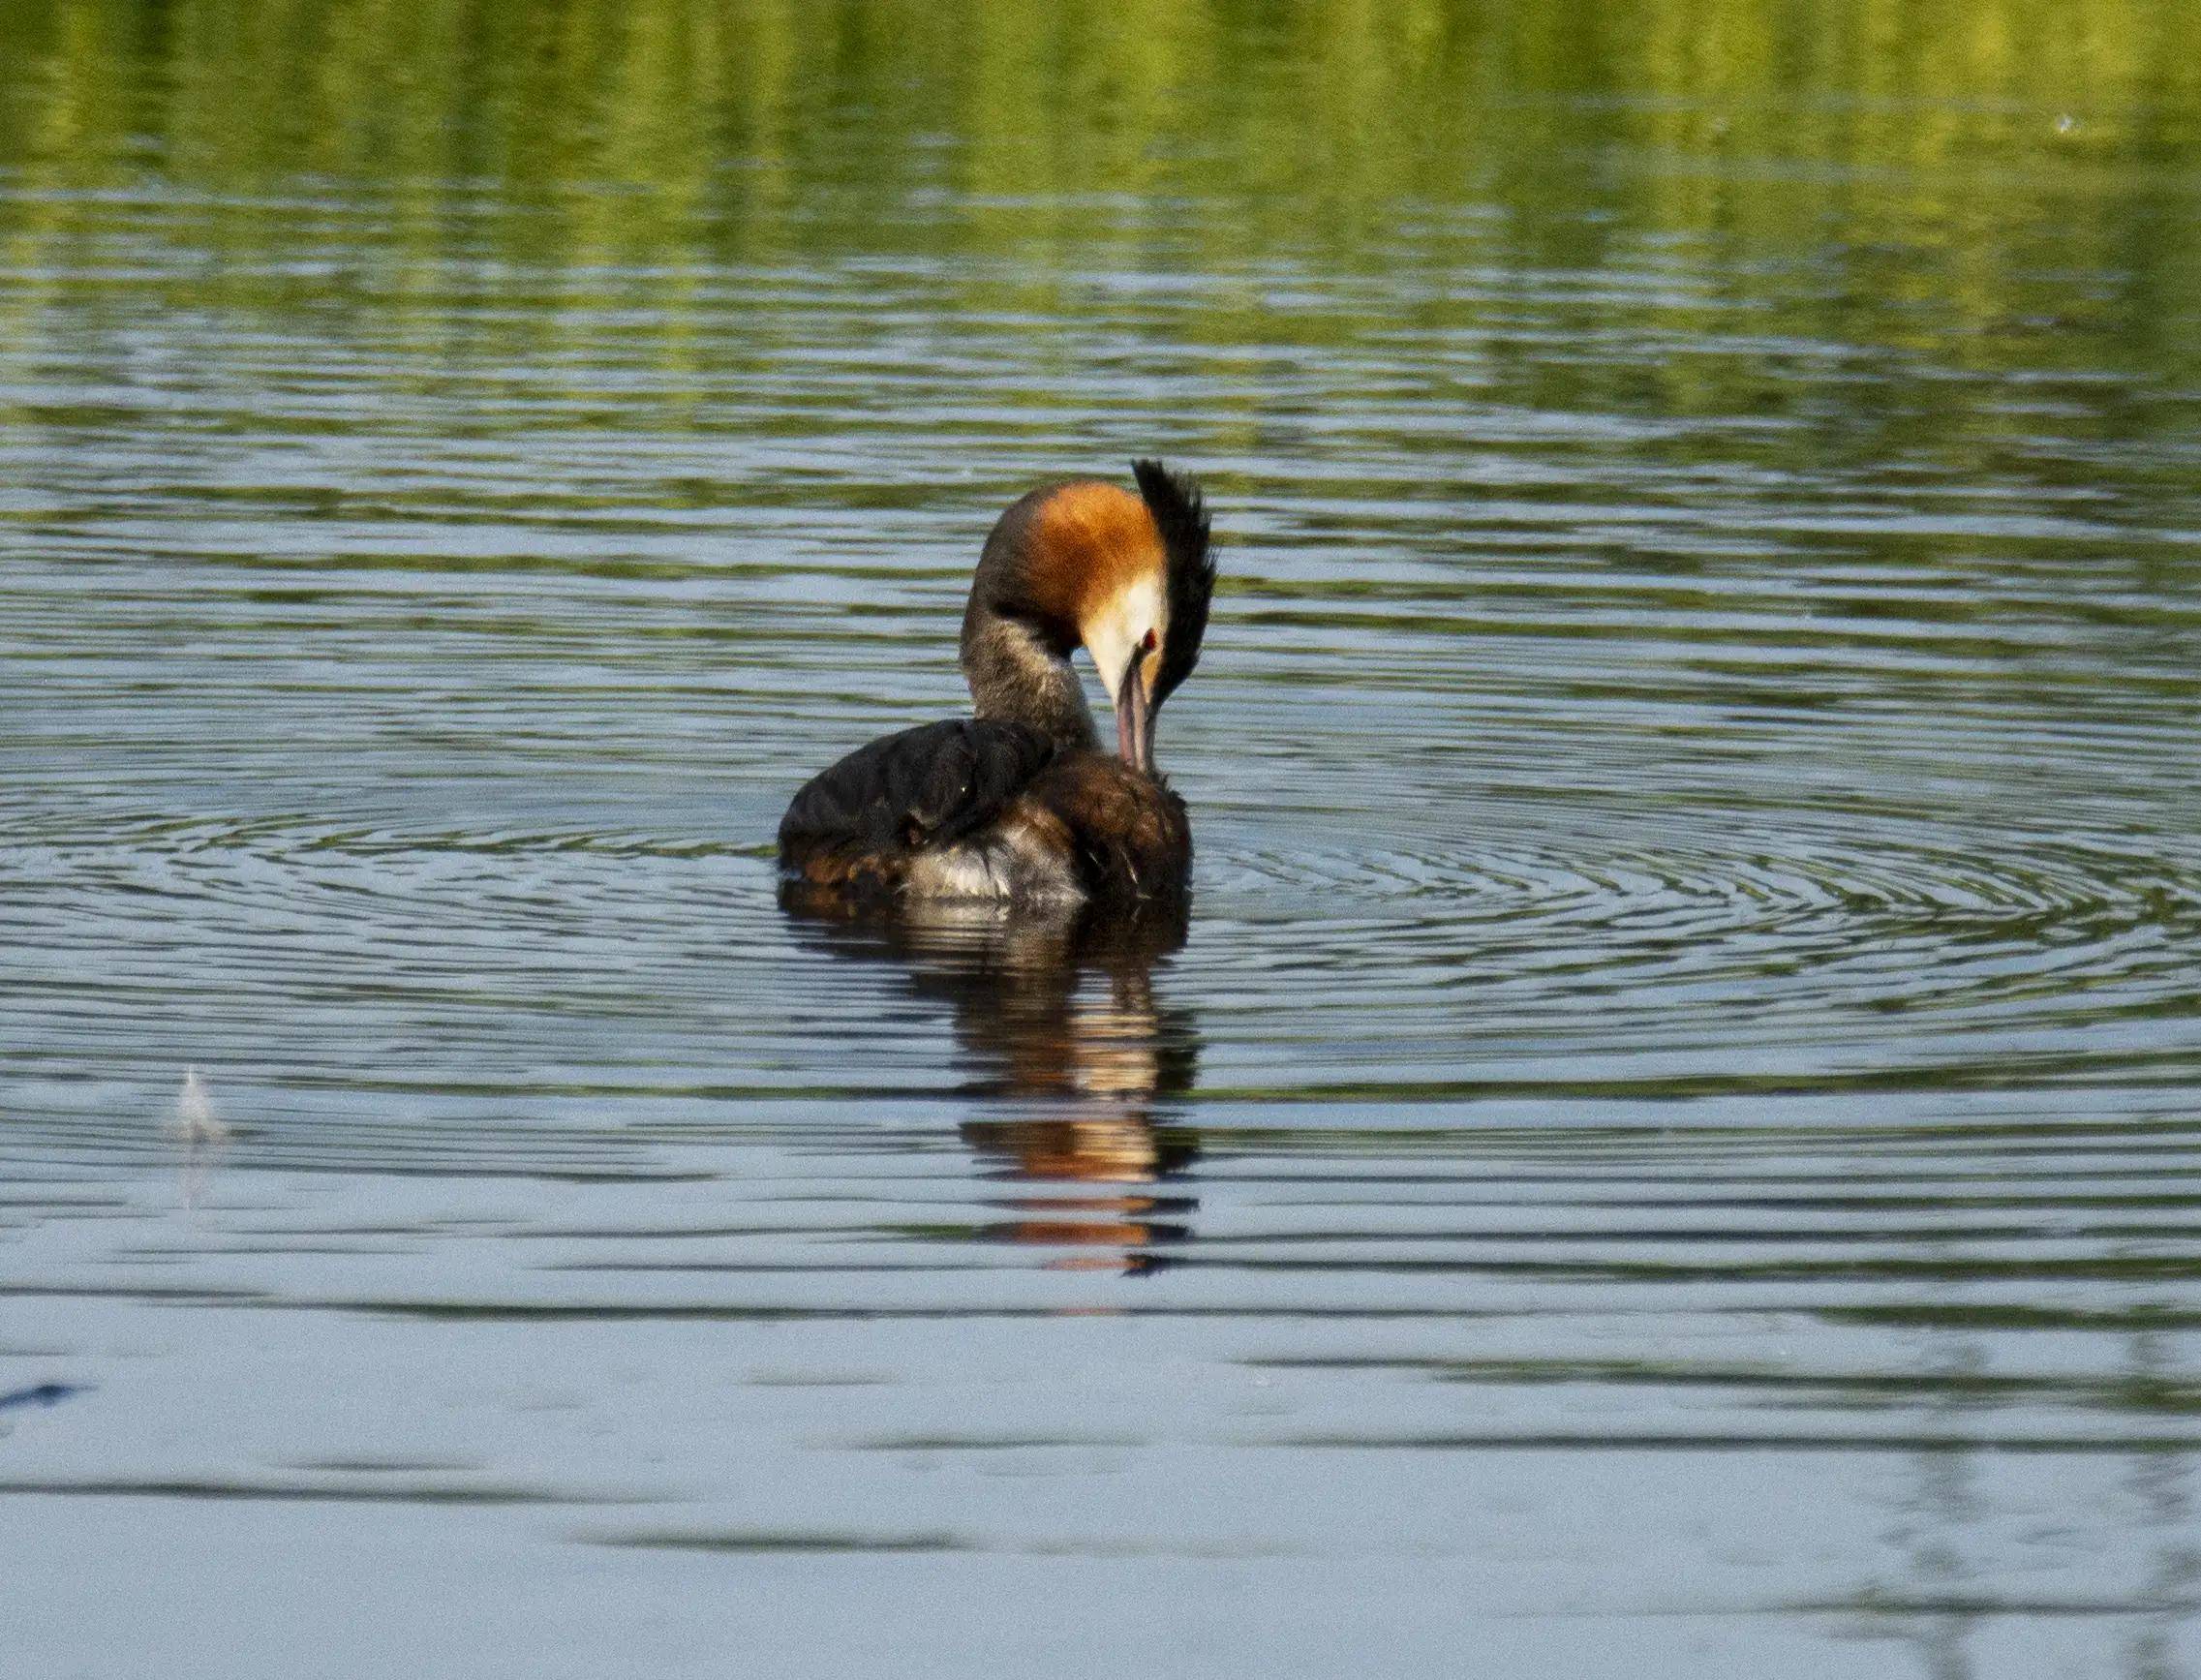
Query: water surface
[{"x": 1668, "y": 1139}]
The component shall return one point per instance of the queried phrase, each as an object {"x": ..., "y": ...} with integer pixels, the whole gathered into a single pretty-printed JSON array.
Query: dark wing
[{"x": 859, "y": 823}]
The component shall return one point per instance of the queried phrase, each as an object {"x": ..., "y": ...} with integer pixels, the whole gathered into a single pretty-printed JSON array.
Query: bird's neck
[{"x": 1016, "y": 676}]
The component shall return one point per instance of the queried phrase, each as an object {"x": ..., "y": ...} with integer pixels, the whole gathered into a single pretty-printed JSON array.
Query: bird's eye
[{"x": 1151, "y": 642}]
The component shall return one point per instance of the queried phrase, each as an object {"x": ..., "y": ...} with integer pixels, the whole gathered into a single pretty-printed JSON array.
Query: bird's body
[
  {"x": 1018, "y": 803},
  {"x": 976, "y": 808}
]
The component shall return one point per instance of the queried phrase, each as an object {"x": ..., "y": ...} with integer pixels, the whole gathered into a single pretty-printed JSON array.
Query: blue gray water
[{"x": 1668, "y": 1144}]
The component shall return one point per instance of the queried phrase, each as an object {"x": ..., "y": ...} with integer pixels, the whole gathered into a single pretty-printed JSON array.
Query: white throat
[{"x": 1114, "y": 637}]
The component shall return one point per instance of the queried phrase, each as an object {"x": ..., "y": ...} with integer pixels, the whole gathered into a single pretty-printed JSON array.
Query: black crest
[{"x": 1174, "y": 499}]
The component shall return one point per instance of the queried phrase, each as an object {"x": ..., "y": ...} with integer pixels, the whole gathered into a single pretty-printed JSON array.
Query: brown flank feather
[{"x": 1127, "y": 832}]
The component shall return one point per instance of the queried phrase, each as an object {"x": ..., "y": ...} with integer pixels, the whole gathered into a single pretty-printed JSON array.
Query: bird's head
[{"x": 1126, "y": 576}]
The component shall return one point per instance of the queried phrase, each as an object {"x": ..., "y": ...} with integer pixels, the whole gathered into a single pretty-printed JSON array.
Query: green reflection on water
[
  {"x": 1914, "y": 224},
  {"x": 1941, "y": 149}
]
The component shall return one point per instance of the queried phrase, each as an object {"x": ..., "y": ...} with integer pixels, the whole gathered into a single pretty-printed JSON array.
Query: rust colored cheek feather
[{"x": 1090, "y": 543}]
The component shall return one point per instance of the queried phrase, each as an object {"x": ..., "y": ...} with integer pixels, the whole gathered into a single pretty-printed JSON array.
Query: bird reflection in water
[{"x": 1059, "y": 1030}]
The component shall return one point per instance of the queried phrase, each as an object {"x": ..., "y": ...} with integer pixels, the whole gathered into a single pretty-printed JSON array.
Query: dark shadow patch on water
[
  {"x": 291, "y": 1492},
  {"x": 1903, "y": 1605},
  {"x": 43, "y": 1394},
  {"x": 742, "y": 1542},
  {"x": 1794, "y": 1442},
  {"x": 766, "y": 1541}
]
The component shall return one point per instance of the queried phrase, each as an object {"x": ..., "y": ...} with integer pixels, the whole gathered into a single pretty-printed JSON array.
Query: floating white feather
[{"x": 196, "y": 1121}]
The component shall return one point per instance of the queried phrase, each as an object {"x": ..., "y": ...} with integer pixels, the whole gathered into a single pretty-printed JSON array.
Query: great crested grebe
[{"x": 1018, "y": 803}]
